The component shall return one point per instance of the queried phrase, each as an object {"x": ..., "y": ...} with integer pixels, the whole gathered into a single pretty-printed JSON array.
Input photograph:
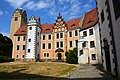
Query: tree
[{"x": 71, "y": 56}]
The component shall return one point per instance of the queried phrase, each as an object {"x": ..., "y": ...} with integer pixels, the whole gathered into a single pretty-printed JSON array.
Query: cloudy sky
[{"x": 47, "y": 10}]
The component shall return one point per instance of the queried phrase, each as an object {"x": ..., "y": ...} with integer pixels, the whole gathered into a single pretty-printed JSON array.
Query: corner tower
[{"x": 19, "y": 18}]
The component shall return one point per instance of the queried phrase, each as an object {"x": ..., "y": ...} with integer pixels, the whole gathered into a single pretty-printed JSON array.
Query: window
[
  {"x": 92, "y": 44},
  {"x": 23, "y": 47},
  {"x": 37, "y": 43},
  {"x": 17, "y": 56},
  {"x": 76, "y": 33},
  {"x": 93, "y": 56},
  {"x": 61, "y": 44},
  {"x": 70, "y": 43},
  {"x": 49, "y": 37},
  {"x": 57, "y": 36},
  {"x": 23, "y": 38},
  {"x": 84, "y": 44},
  {"x": 61, "y": 35},
  {"x": 46, "y": 54},
  {"x": 91, "y": 32},
  {"x": 116, "y": 4},
  {"x": 84, "y": 33},
  {"x": 30, "y": 28},
  {"x": 76, "y": 43},
  {"x": 81, "y": 52},
  {"x": 43, "y": 46},
  {"x": 49, "y": 45},
  {"x": 23, "y": 56},
  {"x": 38, "y": 33},
  {"x": 18, "y": 47},
  {"x": 102, "y": 17},
  {"x": 29, "y": 40},
  {"x": 18, "y": 39},
  {"x": 28, "y": 50},
  {"x": 57, "y": 44},
  {"x": 16, "y": 18},
  {"x": 43, "y": 37},
  {"x": 70, "y": 34}
]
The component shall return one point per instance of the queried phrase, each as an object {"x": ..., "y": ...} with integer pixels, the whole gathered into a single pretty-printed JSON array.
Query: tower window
[
  {"x": 16, "y": 18},
  {"x": 28, "y": 50},
  {"x": 29, "y": 40},
  {"x": 30, "y": 28}
]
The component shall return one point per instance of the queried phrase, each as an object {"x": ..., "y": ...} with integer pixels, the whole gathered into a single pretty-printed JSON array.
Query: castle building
[
  {"x": 45, "y": 41},
  {"x": 109, "y": 22},
  {"x": 49, "y": 42},
  {"x": 88, "y": 52}
]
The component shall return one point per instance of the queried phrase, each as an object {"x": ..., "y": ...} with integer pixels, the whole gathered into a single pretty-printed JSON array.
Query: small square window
[
  {"x": 92, "y": 44},
  {"x": 30, "y": 28},
  {"x": 28, "y": 50},
  {"x": 84, "y": 44},
  {"x": 29, "y": 40},
  {"x": 91, "y": 32},
  {"x": 93, "y": 56}
]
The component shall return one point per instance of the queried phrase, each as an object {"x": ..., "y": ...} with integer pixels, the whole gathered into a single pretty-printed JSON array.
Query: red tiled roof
[
  {"x": 90, "y": 19},
  {"x": 47, "y": 27},
  {"x": 21, "y": 31},
  {"x": 71, "y": 24}
]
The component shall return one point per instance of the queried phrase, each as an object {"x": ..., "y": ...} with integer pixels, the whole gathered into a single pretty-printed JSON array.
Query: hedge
[{"x": 6, "y": 59}]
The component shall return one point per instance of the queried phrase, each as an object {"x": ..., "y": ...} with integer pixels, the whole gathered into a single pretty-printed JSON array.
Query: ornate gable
[{"x": 59, "y": 25}]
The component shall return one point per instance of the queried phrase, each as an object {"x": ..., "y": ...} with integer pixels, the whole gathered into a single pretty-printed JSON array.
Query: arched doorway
[{"x": 59, "y": 56}]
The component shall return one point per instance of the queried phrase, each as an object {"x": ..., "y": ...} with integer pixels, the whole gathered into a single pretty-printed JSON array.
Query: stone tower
[
  {"x": 33, "y": 39},
  {"x": 19, "y": 18}
]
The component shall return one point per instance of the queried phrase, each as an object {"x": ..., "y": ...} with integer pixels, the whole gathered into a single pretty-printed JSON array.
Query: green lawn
[{"x": 34, "y": 70}]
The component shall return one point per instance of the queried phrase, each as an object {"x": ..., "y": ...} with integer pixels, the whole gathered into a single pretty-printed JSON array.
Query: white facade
[
  {"x": 33, "y": 39},
  {"x": 110, "y": 38},
  {"x": 87, "y": 54}
]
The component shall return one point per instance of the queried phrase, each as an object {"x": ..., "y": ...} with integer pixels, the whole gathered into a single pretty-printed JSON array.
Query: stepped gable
[
  {"x": 47, "y": 27},
  {"x": 21, "y": 31},
  {"x": 71, "y": 24},
  {"x": 90, "y": 19}
]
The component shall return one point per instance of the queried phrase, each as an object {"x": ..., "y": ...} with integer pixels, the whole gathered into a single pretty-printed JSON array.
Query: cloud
[
  {"x": 1, "y": 13},
  {"x": 16, "y": 3},
  {"x": 5, "y": 34},
  {"x": 32, "y": 5}
]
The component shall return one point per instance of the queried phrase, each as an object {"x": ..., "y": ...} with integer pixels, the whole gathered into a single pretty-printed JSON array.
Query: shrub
[
  {"x": 71, "y": 56},
  {"x": 6, "y": 59}
]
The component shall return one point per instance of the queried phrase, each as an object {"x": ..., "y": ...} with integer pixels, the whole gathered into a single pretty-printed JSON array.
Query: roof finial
[{"x": 59, "y": 14}]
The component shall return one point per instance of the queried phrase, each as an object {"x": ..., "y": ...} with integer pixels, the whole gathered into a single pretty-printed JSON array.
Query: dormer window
[
  {"x": 22, "y": 31},
  {"x": 72, "y": 25},
  {"x": 47, "y": 29}
]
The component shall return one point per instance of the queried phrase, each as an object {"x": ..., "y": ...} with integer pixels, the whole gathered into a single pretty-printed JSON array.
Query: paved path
[{"x": 88, "y": 72}]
